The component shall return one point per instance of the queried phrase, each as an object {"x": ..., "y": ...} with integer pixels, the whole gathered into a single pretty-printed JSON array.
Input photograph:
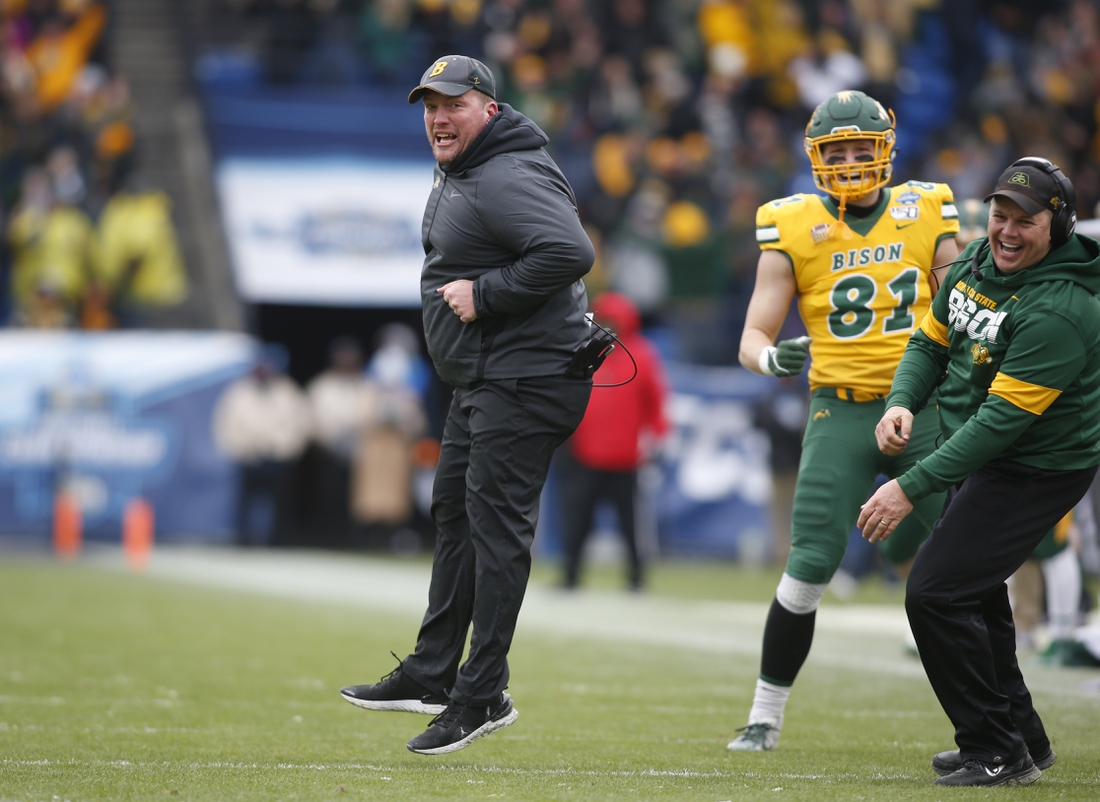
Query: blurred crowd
[
  {"x": 83, "y": 246},
  {"x": 346, "y": 461},
  {"x": 675, "y": 119}
]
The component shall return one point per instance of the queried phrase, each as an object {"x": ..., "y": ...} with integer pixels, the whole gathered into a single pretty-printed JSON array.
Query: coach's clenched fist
[{"x": 459, "y": 295}]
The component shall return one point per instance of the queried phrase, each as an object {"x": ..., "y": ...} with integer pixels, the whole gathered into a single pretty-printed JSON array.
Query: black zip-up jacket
[{"x": 503, "y": 215}]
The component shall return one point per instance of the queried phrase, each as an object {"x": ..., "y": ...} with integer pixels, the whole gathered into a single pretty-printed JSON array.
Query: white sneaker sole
[
  {"x": 396, "y": 705},
  {"x": 485, "y": 729}
]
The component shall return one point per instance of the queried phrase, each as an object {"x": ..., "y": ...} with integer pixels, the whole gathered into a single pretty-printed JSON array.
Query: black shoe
[
  {"x": 979, "y": 773},
  {"x": 460, "y": 725},
  {"x": 396, "y": 691},
  {"x": 947, "y": 762}
]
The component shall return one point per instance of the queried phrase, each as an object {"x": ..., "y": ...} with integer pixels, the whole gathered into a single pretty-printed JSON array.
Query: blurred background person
[
  {"x": 621, "y": 429},
  {"x": 51, "y": 246},
  {"x": 1060, "y": 582},
  {"x": 66, "y": 34},
  {"x": 1046, "y": 593},
  {"x": 1085, "y": 539},
  {"x": 137, "y": 265},
  {"x": 382, "y": 496},
  {"x": 340, "y": 399},
  {"x": 262, "y": 421}
]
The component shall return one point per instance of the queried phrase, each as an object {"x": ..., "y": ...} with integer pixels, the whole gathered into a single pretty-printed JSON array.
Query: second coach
[{"x": 1013, "y": 342}]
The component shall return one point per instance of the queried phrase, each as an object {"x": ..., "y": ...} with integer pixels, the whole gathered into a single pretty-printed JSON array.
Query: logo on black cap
[{"x": 455, "y": 75}]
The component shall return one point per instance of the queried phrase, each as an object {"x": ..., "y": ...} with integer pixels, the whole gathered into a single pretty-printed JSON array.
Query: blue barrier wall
[
  {"x": 112, "y": 416},
  {"x": 116, "y": 415}
]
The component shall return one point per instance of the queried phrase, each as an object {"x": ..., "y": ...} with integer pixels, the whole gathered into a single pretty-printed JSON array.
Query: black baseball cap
[
  {"x": 1032, "y": 187},
  {"x": 454, "y": 76}
]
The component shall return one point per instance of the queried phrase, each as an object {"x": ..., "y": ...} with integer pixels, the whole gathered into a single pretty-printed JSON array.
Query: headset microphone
[
  {"x": 974, "y": 260},
  {"x": 975, "y": 271}
]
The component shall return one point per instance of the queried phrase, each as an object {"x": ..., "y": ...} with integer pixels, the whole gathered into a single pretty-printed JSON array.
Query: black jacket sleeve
[{"x": 530, "y": 210}]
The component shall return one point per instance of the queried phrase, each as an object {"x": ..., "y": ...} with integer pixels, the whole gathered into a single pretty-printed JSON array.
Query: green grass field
[{"x": 216, "y": 678}]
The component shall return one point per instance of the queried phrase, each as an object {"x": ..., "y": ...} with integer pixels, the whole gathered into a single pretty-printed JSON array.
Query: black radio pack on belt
[{"x": 591, "y": 354}]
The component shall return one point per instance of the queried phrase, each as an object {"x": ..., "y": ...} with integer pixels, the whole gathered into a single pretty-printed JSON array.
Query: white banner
[{"x": 332, "y": 231}]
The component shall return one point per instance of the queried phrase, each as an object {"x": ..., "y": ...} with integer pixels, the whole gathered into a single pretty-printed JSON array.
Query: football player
[{"x": 859, "y": 259}]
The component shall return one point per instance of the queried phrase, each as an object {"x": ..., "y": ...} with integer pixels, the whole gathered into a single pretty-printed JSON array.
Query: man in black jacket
[{"x": 504, "y": 318}]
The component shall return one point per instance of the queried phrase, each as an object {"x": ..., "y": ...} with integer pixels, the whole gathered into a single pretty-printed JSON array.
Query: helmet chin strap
[{"x": 840, "y": 230}]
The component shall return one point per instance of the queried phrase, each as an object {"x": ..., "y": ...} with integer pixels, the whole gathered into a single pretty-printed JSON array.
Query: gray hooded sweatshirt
[{"x": 503, "y": 215}]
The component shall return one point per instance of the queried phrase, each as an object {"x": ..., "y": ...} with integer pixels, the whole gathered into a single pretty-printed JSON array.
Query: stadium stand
[{"x": 671, "y": 119}]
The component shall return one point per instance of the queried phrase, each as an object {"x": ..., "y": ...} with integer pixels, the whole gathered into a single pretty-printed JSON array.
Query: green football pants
[{"x": 840, "y": 460}]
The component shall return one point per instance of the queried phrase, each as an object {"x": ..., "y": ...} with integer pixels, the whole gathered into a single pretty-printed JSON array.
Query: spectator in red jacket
[{"x": 620, "y": 430}]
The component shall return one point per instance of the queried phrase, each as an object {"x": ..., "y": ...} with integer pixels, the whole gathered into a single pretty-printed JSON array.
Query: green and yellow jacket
[{"x": 1017, "y": 361}]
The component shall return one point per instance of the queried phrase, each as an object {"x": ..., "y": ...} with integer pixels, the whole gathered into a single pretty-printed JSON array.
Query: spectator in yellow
[
  {"x": 61, "y": 49},
  {"x": 51, "y": 245},
  {"x": 726, "y": 25},
  {"x": 137, "y": 261}
]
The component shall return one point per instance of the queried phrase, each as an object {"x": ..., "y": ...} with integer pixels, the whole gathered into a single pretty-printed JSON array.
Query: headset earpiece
[{"x": 1064, "y": 221}]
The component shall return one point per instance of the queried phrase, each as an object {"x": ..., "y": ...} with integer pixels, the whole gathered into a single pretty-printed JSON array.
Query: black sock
[{"x": 787, "y": 640}]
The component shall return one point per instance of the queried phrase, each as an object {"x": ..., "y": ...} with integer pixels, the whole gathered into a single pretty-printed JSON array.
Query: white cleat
[{"x": 759, "y": 737}]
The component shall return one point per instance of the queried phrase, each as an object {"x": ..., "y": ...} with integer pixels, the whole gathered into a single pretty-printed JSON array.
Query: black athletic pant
[
  {"x": 582, "y": 488},
  {"x": 497, "y": 445},
  {"x": 957, "y": 601}
]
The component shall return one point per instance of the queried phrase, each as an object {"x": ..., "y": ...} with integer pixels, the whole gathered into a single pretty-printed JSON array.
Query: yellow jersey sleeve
[
  {"x": 862, "y": 288},
  {"x": 777, "y": 217}
]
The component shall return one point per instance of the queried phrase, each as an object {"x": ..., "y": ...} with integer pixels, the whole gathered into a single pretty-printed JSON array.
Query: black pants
[
  {"x": 497, "y": 445},
  {"x": 957, "y": 601},
  {"x": 582, "y": 488}
]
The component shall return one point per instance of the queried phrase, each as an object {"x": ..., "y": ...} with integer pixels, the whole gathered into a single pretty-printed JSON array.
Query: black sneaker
[
  {"x": 979, "y": 773},
  {"x": 947, "y": 762},
  {"x": 396, "y": 691},
  {"x": 460, "y": 725}
]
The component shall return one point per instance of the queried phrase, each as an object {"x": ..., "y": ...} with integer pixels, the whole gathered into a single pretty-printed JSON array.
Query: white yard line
[
  {"x": 388, "y": 772},
  {"x": 857, "y": 637}
]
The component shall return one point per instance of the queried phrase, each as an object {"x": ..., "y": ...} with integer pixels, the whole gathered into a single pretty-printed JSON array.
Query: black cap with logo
[
  {"x": 1033, "y": 188},
  {"x": 455, "y": 75}
]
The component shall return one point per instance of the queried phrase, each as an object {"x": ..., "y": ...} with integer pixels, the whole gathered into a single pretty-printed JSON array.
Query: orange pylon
[
  {"x": 137, "y": 532},
  {"x": 68, "y": 528}
]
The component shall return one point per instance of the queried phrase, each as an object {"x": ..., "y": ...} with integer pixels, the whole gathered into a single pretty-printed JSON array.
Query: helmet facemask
[{"x": 848, "y": 181}]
